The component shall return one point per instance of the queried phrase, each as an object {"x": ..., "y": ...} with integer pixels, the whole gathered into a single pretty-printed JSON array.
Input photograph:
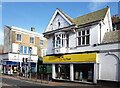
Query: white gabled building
[{"x": 77, "y": 48}]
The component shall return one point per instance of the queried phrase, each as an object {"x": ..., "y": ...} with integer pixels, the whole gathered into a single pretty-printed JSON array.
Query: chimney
[
  {"x": 113, "y": 16},
  {"x": 33, "y": 29},
  {"x": 117, "y": 15}
]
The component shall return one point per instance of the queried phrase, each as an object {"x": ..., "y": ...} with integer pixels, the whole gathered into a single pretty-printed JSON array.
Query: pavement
[{"x": 18, "y": 81}]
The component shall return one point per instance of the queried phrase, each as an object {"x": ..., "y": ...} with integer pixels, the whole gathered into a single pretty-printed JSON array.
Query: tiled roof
[
  {"x": 111, "y": 37},
  {"x": 90, "y": 17}
]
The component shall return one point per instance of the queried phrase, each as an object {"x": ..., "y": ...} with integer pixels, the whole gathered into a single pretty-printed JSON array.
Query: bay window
[
  {"x": 83, "y": 37},
  {"x": 61, "y": 40}
]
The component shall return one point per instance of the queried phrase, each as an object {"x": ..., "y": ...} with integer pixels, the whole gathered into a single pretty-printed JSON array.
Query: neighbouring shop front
[
  {"x": 73, "y": 67},
  {"x": 10, "y": 67},
  {"x": 44, "y": 70}
]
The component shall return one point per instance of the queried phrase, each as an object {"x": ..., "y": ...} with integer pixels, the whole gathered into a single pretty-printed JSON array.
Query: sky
[{"x": 38, "y": 14}]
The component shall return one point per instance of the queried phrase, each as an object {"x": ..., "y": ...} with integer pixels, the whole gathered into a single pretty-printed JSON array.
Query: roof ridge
[{"x": 93, "y": 12}]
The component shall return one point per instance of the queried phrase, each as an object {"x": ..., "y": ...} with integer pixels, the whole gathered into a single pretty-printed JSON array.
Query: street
[
  {"x": 18, "y": 83},
  {"x": 13, "y": 82}
]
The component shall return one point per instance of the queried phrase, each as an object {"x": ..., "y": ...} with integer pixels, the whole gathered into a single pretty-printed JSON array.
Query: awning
[{"x": 91, "y": 57}]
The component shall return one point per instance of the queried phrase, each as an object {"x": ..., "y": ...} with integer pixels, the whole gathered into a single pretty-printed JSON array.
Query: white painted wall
[
  {"x": 62, "y": 21},
  {"x": 15, "y": 47},
  {"x": 50, "y": 45},
  {"x": 108, "y": 69},
  {"x": 7, "y": 40},
  {"x": 34, "y": 50},
  {"x": 18, "y": 57}
]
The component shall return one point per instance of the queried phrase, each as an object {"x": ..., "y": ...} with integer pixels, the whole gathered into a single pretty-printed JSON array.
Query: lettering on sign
[{"x": 62, "y": 58}]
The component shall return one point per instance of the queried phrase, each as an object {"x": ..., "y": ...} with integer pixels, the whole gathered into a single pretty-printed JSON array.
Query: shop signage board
[{"x": 91, "y": 57}]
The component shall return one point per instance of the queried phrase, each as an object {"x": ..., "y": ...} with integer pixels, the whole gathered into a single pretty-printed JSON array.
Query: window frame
[
  {"x": 33, "y": 40},
  {"x": 81, "y": 36},
  {"x": 17, "y": 37},
  {"x": 22, "y": 49},
  {"x": 41, "y": 43},
  {"x": 62, "y": 43}
]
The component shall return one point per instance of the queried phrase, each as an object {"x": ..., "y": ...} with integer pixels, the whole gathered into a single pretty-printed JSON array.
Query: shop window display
[
  {"x": 83, "y": 72},
  {"x": 62, "y": 71}
]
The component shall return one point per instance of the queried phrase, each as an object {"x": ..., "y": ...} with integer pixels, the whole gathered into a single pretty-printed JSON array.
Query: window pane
[
  {"x": 83, "y": 32},
  {"x": 87, "y": 31},
  {"x": 21, "y": 49},
  {"x": 79, "y": 33},
  {"x": 79, "y": 41},
  {"x": 83, "y": 40},
  {"x": 28, "y": 50},
  {"x": 41, "y": 42},
  {"x": 18, "y": 37},
  {"x": 25, "y": 49},
  {"x": 87, "y": 39},
  {"x": 67, "y": 42},
  {"x": 67, "y": 36},
  {"x": 31, "y": 40}
]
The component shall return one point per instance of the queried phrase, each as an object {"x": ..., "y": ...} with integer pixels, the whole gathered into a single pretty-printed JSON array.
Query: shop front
[{"x": 73, "y": 67}]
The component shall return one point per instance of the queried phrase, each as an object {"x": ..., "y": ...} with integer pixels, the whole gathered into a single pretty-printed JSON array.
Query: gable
[{"x": 59, "y": 20}]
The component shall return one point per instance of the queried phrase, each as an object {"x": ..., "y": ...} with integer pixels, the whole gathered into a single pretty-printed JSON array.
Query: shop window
[
  {"x": 19, "y": 37},
  {"x": 42, "y": 42},
  {"x": 31, "y": 40},
  {"x": 62, "y": 71},
  {"x": 21, "y": 49},
  {"x": 83, "y": 72},
  {"x": 83, "y": 37}
]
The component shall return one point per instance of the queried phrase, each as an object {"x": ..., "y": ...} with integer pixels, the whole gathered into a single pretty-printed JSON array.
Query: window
[
  {"x": 19, "y": 37},
  {"x": 58, "y": 24},
  {"x": 28, "y": 50},
  {"x": 25, "y": 49},
  {"x": 83, "y": 37},
  {"x": 44, "y": 53},
  {"x": 41, "y": 42},
  {"x": 58, "y": 42},
  {"x": 62, "y": 71},
  {"x": 114, "y": 27},
  {"x": 21, "y": 49},
  {"x": 61, "y": 40},
  {"x": 31, "y": 40},
  {"x": 54, "y": 41}
]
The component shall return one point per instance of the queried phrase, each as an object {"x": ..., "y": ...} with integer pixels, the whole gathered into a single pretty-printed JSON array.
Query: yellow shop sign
[{"x": 91, "y": 57}]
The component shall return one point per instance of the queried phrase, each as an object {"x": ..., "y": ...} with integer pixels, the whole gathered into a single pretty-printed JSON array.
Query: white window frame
[
  {"x": 21, "y": 37},
  {"x": 81, "y": 36},
  {"x": 60, "y": 35}
]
